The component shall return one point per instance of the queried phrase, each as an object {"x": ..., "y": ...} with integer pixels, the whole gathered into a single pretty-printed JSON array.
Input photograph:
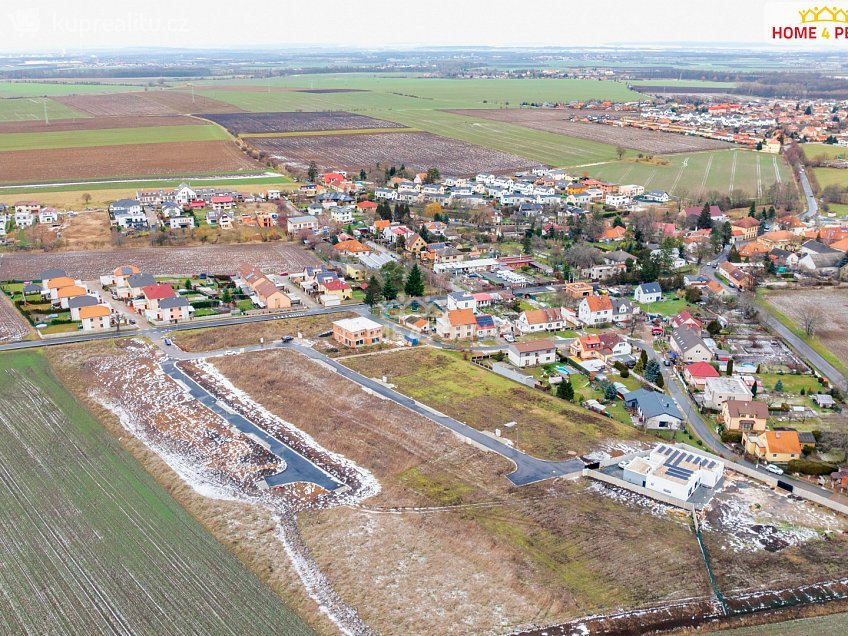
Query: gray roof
[
  {"x": 650, "y": 288},
  {"x": 54, "y": 272},
  {"x": 82, "y": 301},
  {"x": 174, "y": 301},
  {"x": 140, "y": 280},
  {"x": 617, "y": 256},
  {"x": 651, "y": 403},
  {"x": 819, "y": 248},
  {"x": 687, "y": 338}
]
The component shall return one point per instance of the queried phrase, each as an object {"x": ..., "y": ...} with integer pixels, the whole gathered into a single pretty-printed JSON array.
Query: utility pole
[{"x": 46, "y": 120}]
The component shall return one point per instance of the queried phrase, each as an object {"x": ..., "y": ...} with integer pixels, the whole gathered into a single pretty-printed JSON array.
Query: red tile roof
[{"x": 158, "y": 291}]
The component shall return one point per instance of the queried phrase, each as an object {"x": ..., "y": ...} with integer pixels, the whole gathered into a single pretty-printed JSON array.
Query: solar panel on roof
[
  {"x": 680, "y": 473},
  {"x": 672, "y": 456},
  {"x": 711, "y": 465},
  {"x": 668, "y": 450}
]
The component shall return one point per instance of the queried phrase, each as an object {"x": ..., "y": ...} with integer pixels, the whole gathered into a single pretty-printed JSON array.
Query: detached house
[
  {"x": 533, "y": 320},
  {"x": 719, "y": 390},
  {"x": 533, "y": 353},
  {"x": 688, "y": 344},
  {"x": 457, "y": 324},
  {"x": 357, "y": 332},
  {"x": 696, "y": 374},
  {"x": 744, "y": 415},
  {"x": 648, "y": 293},
  {"x": 595, "y": 310},
  {"x": 654, "y": 410},
  {"x": 95, "y": 317},
  {"x": 777, "y": 447}
]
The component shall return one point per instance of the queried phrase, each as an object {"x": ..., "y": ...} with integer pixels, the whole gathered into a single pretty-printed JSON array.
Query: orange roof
[
  {"x": 461, "y": 317},
  {"x": 72, "y": 290},
  {"x": 351, "y": 245},
  {"x": 126, "y": 270},
  {"x": 541, "y": 316},
  {"x": 366, "y": 205},
  {"x": 94, "y": 311},
  {"x": 782, "y": 442},
  {"x": 841, "y": 245},
  {"x": 382, "y": 224},
  {"x": 754, "y": 247},
  {"x": 614, "y": 233},
  {"x": 779, "y": 235},
  {"x": 61, "y": 281},
  {"x": 748, "y": 222},
  {"x": 599, "y": 303}
]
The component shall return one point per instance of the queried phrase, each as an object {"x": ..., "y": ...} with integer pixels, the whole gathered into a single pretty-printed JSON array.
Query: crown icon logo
[{"x": 824, "y": 14}]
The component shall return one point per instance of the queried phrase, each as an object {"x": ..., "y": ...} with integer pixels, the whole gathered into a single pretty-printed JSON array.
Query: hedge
[
  {"x": 731, "y": 437},
  {"x": 810, "y": 467}
]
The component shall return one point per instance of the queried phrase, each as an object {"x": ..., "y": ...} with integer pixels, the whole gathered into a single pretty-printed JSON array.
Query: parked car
[
  {"x": 167, "y": 342},
  {"x": 509, "y": 337},
  {"x": 777, "y": 470},
  {"x": 287, "y": 338}
]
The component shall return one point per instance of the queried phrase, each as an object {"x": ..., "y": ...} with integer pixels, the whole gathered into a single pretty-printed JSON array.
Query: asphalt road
[
  {"x": 812, "y": 205},
  {"x": 528, "y": 469},
  {"x": 297, "y": 467}
]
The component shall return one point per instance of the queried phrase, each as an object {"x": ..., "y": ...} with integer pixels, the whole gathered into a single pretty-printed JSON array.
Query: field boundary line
[{"x": 323, "y": 133}]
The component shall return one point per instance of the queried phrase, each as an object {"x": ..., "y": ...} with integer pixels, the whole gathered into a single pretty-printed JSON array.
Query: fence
[{"x": 639, "y": 490}]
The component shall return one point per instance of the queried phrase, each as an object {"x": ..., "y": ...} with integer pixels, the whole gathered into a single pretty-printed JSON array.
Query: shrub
[
  {"x": 810, "y": 467},
  {"x": 731, "y": 437}
]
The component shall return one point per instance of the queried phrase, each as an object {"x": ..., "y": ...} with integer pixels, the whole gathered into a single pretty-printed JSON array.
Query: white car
[{"x": 777, "y": 470}]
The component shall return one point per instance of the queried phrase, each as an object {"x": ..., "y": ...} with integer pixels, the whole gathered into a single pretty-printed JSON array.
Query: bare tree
[
  {"x": 620, "y": 151},
  {"x": 810, "y": 317},
  {"x": 583, "y": 256}
]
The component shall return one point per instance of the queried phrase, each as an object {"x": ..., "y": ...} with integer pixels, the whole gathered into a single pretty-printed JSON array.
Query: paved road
[
  {"x": 812, "y": 205},
  {"x": 159, "y": 331},
  {"x": 528, "y": 469},
  {"x": 297, "y": 467}
]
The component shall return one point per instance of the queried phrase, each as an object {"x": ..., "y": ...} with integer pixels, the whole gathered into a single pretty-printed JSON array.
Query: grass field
[
  {"x": 547, "y": 427},
  {"x": 92, "y": 544},
  {"x": 831, "y": 176},
  {"x": 696, "y": 174},
  {"x": 833, "y": 624},
  {"x": 829, "y": 151},
  {"x": 47, "y": 89},
  {"x": 672, "y": 83},
  {"x": 110, "y": 137},
  {"x": 33, "y": 109}
]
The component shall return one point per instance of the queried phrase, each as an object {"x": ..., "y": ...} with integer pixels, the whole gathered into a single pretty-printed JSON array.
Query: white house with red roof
[{"x": 696, "y": 374}]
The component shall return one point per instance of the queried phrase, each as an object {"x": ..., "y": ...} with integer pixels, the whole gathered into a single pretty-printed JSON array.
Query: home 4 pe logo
[{"x": 797, "y": 23}]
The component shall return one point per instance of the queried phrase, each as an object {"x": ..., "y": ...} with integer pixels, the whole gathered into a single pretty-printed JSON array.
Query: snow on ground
[
  {"x": 750, "y": 517},
  {"x": 627, "y": 498}
]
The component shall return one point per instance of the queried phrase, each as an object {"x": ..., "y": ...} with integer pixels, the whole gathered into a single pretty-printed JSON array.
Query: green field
[
  {"x": 831, "y": 176},
  {"x": 92, "y": 544},
  {"x": 830, "y": 151},
  {"x": 33, "y": 109},
  {"x": 673, "y": 83},
  {"x": 48, "y": 89},
  {"x": 695, "y": 174},
  {"x": 110, "y": 137}
]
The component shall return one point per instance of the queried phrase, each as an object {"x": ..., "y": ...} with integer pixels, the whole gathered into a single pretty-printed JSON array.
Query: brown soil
[
  {"x": 829, "y": 304},
  {"x": 134, "y": 160},
  {"x": 146, "y": 103},
  {"x": 87, "y": 231},
  {"x": 96, "y": 123}
]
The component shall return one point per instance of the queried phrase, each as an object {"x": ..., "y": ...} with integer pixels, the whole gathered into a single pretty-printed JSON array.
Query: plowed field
[
  {"x": 146, "y": 103},
  {"x": 96, "y": 123},
  {"x": 241, "y": 123},
  {"x": 63, "y": 164}
]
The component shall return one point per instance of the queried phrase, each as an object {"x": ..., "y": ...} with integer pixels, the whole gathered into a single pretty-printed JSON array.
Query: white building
[
  {"x": 532, "y": 353},
  {"x": 674, "y": 472},
  {"x": 595, "y": 310},
  {"x": 648, "y": 293},
  {"x": 719, "y": 390}
]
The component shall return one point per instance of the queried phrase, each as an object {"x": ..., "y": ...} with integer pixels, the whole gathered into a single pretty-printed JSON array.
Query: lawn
[
  {"x": 92, "y": 543},
  {"x": 547, "y": 426},
  {"x": 831, "y": 176},
  {"x": 839, "y": 209},
  {"x": 791, "y": 383},
  {"x": 110, "y": 137},
  {"x": 33, "y": 109},
  {"x": 829, "y": 151},
  {"x": 667, "y": 307}
]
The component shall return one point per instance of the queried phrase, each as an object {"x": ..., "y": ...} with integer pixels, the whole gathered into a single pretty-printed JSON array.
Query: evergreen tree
[
  {"x": 372, "y": 293},
  {"x": 705, "y": 221},
  {"x": 778, "y": 387},
  {"x": 754, "y": 389},
  {"x": 565, "y": 390},
  {"x": 733, "y": 255},
  {"x": 363, "y": 175},
  {"x": 390, "y": 290},
  {"x": 752, "y": 211},
  {"x": 312, "y": 172},
  {"x": 609, "y": 391},
  {"x": 730, "y": 367},
  {"x": 226, "y": 296},
  {"x": 660, "y": 382},
  {"x": 652, "y": 371},
  {"x": 527, "y": 243},
  {"x": 414, "y": 285}
]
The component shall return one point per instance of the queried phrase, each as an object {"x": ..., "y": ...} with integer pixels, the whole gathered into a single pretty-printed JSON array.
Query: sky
[{"x": 56, "y": 25}]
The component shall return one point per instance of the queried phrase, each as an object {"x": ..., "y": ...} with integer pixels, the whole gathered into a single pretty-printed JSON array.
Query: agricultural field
[
  {"x": 831, "y": 176},
  {"x": 124, "y": 162},
  {"x": 13, "y": 327},
  {"x": 830, "y": 310},
  {"x": 49, "y": 89},
  {"x": 409, "y": 557},
  {"x": 170, "y": 261},
  {"x": 253, "y": 123},
  {"x": 68, "y": 568},
  {"x": 557, "y": 121},
  {"x": 547, "y": 427},
  {"x": 417, "y": 151},
  {"x": 145, "y": 104},
  {"x": 693, "y": 175},
  {"x": 833, "y": 624},
  {"x": 33, "y": 109},
  {"x": 96, "y": 123},
  {"x": 177, "y": 134},
  {"x": 827, "y": 151}
]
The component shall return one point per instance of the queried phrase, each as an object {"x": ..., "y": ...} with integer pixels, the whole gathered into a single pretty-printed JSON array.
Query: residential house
[
  {"x": 545, "y": 319},
  {"x": 65, "y": 294},
  {"x": 783, "y": 239},
  {"x": 486, "y": 327},
  {"x": 351, "y": 247},
  {"x": 595, "y": 310},
  {"x": 95, "y": 317},
  {"x": 24, "y": 219},
  {"x": 654, "y": 410},
  {"x": 774, "y": 447},
  {"x": 342, "y": 214},
  {"x": 270, "y": 296},
  {"x": 749, "y": 226},
  {"x": 335, "y": 291},
  {"x": 623, "y": 310},
  {"x": 688, "y": 344},
  {"x": 133, "y": 285},
  {"x": 151, "y": 295},
  {"x": 532, "y": 353},
  {"x": 461, "y": 300},
  {"x": 78, "y": 302},
  {"x": 357, "y": 332},
  {"x": 173, "y": 309},
  {"x": 719, "y": 390},
  {"x": 744, "y": 415},
  {"x": 578, "y": 290},
  {"x": 736, "y": 275},
  {"x": 696, "y": 373},
  {"x": 296, "y": 224},
  {"x": 648, "y": 293},
  {"x": 684, "y": 318},
  {"x": 457, "y": 324}
]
